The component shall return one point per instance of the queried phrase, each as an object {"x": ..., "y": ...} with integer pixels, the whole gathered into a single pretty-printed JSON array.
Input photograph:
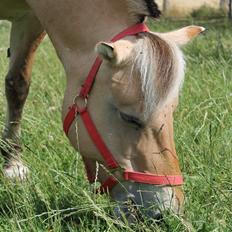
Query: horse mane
[
  {"x": 143, "y": 8},
  {"x": 160, "y": 66}
]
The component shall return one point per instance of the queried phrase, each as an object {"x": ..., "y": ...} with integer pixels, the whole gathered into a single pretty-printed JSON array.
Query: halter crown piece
[{"x": 111, "y": 164}]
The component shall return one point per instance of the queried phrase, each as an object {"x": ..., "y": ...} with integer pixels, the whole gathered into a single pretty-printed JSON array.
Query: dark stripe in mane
[
  {"x": 153, "y": 8},
  {"x": 140, "y": 9},
  {"x": 164, "y": 65},
  {"x": 154, "y": 63}
]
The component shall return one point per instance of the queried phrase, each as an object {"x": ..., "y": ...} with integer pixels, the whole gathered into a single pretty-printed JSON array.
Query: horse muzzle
[{"x": 136, "y": 200}]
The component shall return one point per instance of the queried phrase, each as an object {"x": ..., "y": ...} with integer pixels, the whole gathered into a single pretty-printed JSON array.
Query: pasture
[{"x": 56, "y": 196}]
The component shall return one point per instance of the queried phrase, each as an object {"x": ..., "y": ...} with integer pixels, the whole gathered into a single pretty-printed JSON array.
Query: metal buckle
[{"x": 81, "y": 103}]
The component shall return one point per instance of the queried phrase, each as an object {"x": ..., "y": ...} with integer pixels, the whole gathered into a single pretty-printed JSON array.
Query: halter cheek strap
[{"x": 82, "y": 111}]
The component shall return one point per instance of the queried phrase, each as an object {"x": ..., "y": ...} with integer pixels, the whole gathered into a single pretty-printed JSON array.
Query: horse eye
[{"x": 131, "y": 119}]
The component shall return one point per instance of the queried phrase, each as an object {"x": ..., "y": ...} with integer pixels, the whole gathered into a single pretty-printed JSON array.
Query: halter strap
[
  {"x": 86, "y": 87},
  {"x": 111, "y": 163}
]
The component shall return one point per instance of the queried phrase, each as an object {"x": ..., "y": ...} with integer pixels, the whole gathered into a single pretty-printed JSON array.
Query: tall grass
[{"x": 57, "y": 197}]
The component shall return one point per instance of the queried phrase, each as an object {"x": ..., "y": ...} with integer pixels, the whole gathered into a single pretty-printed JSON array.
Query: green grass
[
  {"x": 57, "y": 197},
  {"x": 206, "y": 12}
]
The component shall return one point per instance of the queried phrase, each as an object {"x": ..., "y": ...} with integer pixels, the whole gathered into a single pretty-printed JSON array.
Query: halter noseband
[{"x": 110, "y": 162}]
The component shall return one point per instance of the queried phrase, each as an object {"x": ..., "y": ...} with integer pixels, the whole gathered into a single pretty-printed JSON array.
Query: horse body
[
  {"x": 12, "y": 9},
  {"x": 131, "y": 75}
]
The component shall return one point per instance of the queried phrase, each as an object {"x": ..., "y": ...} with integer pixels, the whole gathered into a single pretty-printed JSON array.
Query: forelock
[{"x": 158, "y": 65}]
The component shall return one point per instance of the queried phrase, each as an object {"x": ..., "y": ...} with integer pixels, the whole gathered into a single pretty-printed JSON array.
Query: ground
[{"x": 56, "y": 196}]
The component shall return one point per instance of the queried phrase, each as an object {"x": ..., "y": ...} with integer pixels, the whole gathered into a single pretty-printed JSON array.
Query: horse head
[{"x": 132, "y": 104}]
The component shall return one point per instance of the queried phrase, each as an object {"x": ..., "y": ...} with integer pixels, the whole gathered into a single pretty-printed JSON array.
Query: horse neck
[{"x": 107, "y": 20}]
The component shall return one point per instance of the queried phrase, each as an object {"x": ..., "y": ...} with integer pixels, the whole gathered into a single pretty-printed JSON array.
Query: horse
[{"x": 118, "y": 115}]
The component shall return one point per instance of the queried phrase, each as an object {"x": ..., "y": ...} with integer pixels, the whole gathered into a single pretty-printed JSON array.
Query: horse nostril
[{"x": 158, "y": 216}]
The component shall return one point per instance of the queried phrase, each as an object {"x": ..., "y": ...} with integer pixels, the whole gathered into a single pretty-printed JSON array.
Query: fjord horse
[{"x": 119, "y": 115}]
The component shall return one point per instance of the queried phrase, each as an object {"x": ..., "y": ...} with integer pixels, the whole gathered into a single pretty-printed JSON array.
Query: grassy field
[{"x": 57, "y": 197}]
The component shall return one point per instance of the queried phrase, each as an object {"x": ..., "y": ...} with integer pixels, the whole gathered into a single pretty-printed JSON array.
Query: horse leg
[{"x": 26, "y": 35}]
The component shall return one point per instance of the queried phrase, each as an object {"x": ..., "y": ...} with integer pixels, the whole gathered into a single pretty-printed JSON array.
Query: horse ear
[
  {"x": 183, "y": 35},
  {"x": 116, "y": 52},
  {"x": 106, "y": 51}
]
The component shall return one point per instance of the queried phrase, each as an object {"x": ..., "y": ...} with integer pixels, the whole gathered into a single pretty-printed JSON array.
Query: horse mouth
[
  {"x": 139, "y": 201},
  {"x": 132, "y": 213}
]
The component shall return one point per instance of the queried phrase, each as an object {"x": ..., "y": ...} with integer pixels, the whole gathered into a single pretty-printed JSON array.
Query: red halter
[{"x": 111, "y": 163}]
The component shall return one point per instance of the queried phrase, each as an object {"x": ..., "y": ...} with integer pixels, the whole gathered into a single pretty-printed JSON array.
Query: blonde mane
[{"x": 160, "y": 66}]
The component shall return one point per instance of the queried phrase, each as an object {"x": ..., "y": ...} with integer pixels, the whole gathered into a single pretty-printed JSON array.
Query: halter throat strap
[{"x": 110, "y": 162}]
